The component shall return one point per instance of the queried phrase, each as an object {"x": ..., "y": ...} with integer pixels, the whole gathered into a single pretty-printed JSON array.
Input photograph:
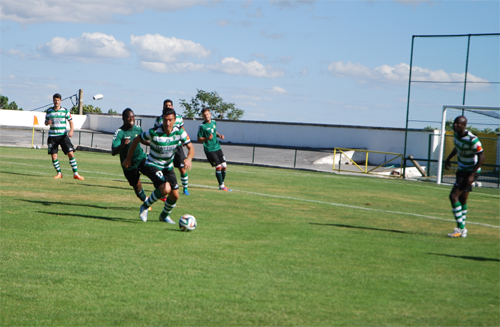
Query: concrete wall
[
  {"x": 264, "y": 133},
  {"x": 16, "y": 118}
]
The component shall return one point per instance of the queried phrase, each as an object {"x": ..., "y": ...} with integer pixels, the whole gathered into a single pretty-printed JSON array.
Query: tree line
[{"x": 191, "y": 109}]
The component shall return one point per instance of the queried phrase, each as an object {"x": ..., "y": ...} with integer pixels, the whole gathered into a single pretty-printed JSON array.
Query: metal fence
[{"x": 451, "y": 70}]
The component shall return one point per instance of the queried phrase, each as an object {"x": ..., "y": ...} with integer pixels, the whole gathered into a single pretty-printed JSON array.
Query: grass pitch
[{"x": 285, "y": 248}]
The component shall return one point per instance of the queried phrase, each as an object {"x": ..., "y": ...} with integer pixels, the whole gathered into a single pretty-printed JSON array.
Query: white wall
[
  {"x": 262, "y": 133},
  {"x": 18, "y": 118}
]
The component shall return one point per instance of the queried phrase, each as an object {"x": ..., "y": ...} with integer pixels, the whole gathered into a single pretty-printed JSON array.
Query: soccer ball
[{"x": 187, "y": 223}]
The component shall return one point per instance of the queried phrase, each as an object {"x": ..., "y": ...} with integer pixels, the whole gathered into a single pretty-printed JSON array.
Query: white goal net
[{"x": 483, "y": 122}]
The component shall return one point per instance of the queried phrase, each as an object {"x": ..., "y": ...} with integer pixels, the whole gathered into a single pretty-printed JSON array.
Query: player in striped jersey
[
  {"x": 470, "y": 157},
  {"x": 164, "y": 140},
  {"x": 179, "y": 155},
  {"x": 57, "y": 117}
]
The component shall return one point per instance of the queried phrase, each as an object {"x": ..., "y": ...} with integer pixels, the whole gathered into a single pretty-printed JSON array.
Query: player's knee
[
  {"x": 224, "y": 165},
  {"x": 218, "y": 167},
  {"x": 165, "y": 188},
  {"x": 174, "y": 195}
]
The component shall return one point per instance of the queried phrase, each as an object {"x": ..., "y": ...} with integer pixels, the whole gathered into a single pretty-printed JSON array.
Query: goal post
[{"x": 493, "y": 119}]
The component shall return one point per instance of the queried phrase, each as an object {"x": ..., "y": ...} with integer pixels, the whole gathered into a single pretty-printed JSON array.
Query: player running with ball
[{"x": 164, "y": 140}]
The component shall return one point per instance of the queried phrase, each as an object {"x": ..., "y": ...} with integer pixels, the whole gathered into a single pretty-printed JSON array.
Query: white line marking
[{"x": 290, "y": 198}]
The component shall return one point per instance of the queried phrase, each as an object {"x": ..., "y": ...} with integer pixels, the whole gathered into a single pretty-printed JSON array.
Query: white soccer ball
[{"x": 187, "y": 223}]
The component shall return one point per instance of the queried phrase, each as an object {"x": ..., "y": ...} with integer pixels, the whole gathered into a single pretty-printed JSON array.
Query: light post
[{"x": 80, "y": 102}]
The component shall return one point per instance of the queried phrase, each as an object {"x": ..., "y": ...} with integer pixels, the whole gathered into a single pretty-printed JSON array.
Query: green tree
[
  {"x": 4, "y": 104},
  {"x": 87, "y": 108},
  {"x": 112, "y": 112},
  {"x": 214, "y": 102}
]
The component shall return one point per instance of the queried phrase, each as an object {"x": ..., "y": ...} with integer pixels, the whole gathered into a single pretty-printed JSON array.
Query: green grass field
[{"x": 285, "y": 248}]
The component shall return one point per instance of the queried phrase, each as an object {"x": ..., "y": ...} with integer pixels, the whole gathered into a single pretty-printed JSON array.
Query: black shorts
[
  {"x": 463, "y": 181},
  {"x": 158, "y": 177},
  {"x": 53, "y": 143},
  {"x": 215, "y": 157},
  {"x": 133, "y": 175},
  {"x": 179, "y": 158}
]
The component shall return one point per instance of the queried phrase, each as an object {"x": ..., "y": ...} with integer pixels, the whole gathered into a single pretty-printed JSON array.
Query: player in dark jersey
[
  {"x": 207, "y": 133},
  {"x": 121, "y": 144}
]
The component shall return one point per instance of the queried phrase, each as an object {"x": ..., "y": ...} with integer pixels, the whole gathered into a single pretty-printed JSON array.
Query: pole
[
  {"x": 408, "y": 106},
  {"x": 80, "y": 102}
]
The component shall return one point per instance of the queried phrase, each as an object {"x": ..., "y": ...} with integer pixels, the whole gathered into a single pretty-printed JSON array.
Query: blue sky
[{"x": 332, "y": 62}]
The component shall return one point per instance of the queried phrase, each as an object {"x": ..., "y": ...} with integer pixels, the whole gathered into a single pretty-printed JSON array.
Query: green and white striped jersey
[
  {"x": 59, "y": 119},
  {"x": 163, "y": 146},
  {"x": 179, "y": 123},
  {"x": 467, "y": 149}
]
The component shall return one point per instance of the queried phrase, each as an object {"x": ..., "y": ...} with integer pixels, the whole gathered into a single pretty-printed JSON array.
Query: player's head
[
  {"x": 459, "y": 124},
  {"x": 207, "y": 115},
  {"x": 168, "y": 119},
  {"x": 128, "y": 117},
  {"x": 168, "y": 104},
  {"x": 56, "y": 99}
]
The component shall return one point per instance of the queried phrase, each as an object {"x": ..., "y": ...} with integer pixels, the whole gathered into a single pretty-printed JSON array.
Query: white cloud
[
  {"x": 286, "y": 4},
  {"x": 158, "y": 48},
  {"x": 87, "y": 46},
  {"x": 160, "y": 67},
  {"x": 84, "y": 11},
  {"x": 233, "y": 66},
  {"x": 397, "y": 73},
  {"x": 224, "y": 22},
  {"x": 275, "y": 36},
  {"x": 15, "y": 53},
  {"x": 279, "y": 90}
]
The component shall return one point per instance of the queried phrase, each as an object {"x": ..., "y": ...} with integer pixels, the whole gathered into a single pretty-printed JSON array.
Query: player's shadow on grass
[
  {"x": 20, "y": 174},
  {"x": 367, "y": 228},
  {"x": 465, "y": 257},
  {"x": 120, "y": 219},
  {"x": 49, "y": 203},
  {"x": 106, "y": 186}
]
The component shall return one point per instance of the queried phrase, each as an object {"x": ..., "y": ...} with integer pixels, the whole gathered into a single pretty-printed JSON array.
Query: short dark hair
[
  {"x": 57, "y": 96},
  {"x": 167, "y": 100},
  {"x": 168, "y": 111},
  {"x": 205, "y": 109},
  {"x": 125, "y": 112}
]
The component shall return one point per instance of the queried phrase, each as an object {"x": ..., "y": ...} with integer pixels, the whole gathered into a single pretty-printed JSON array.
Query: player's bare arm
[
  {"x": 447, "y": 163},
  {"x": 480, "y": 160},
  {"x": 204, "y": 139},
  {"x": 70, "y": 133},
  {"x": 127, "y": 162},
  {"x": 188, "y": 162}
]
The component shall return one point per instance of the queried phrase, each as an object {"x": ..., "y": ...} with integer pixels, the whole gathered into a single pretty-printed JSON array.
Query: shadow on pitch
[
  {"x": 367, "y": 228},
  {"x": 107, "y": 186},
  {"x": 120, "y": 219},
  {"x": 466, "y": 257},
  {"x": 20, "y": 174},
  {"x": 50, "y": 203}
]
